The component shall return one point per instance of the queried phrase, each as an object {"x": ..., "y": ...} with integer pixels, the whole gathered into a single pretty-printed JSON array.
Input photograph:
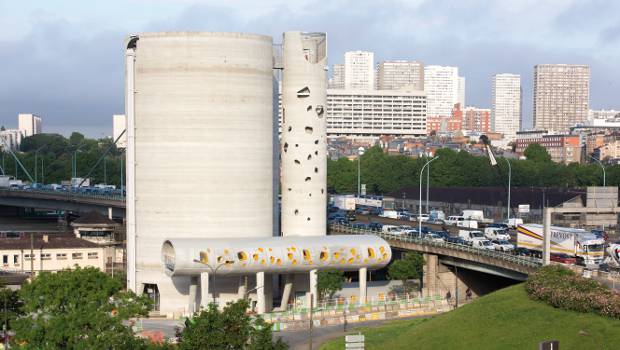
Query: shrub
[{"x": 562, "y": 288}]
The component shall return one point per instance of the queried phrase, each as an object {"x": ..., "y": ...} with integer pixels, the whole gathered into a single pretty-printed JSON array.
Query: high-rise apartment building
[
  {"x": 477, "y": 119},
  {"x": 561, "y": 95},
  {"x": 359, "y": 70},
  {"x": 442, "y": 89},
  {"x": 375, "y": 113},
  {"x": 393, "y": 75},
  {"x": 461, "y": 97},
  {"x": 337, "y": 80},
  {"x": 506, "y": 105},
  {"x": 29, "y": 124}
]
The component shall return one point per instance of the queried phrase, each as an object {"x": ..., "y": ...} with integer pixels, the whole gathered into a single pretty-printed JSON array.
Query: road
[{"x": 299, "y": 339}]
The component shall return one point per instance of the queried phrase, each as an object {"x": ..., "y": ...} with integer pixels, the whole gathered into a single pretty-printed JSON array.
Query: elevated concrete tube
[
  {"x": 363, "y": 273},
  {"x": 193, "y": 256}
]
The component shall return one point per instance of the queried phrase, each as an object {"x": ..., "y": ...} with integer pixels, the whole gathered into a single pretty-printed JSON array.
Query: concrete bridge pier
[{"x": 441, "y": 279}]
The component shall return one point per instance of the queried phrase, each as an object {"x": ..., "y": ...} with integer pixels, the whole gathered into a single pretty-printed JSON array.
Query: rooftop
[{"x": 54, "y": 241}]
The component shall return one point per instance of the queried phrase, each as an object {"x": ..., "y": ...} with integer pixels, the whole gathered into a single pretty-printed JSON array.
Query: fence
[{"x": 520, "y": 260}]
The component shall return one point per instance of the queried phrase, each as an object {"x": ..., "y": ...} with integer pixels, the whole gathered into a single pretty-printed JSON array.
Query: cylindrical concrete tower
[
  {"x": 303, "y": 145},
  {"x": 200, "y": 146}
]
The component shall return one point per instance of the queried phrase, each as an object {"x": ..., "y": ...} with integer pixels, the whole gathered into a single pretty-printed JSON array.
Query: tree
[
  {"x": 409, "y": 266},
  {"x": 329, "y": 282},
  {"x": 537, "y": 153},
  {"x": 231, "y": 328},
  {"x": 82, "y": 308},
  {"x": 76, "y": 138},
  {"x": 10, "y": 307}
]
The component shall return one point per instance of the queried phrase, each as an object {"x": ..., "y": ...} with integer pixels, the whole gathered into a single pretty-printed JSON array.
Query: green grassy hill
[{"x": 506, "y": 319}]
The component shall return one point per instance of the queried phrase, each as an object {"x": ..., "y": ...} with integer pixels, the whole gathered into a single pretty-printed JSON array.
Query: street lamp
[
  {"x": 509, "y": 181},
  {"x": 74, "y": 160},
  {"x": 428, "y": 181},
  {"x": 420, "y": 202},
  {"x": 360, "y": 152},
  {"x": 36, "y": 163},
  {"x": 213, "y": 270},
  {"x": 602, "y": 167}
]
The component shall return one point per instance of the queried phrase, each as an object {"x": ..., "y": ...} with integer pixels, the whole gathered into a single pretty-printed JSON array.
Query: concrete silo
[{"x": 200, "y": 145}]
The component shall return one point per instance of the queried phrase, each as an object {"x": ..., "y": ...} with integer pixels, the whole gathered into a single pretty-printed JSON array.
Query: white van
[{"x": 454, "y": 220}]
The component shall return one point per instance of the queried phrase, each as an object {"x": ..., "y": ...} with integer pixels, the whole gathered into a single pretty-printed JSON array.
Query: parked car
[
  {"x": 375, "y": 226},
  {"x": 433, "y": 237},
  {"x": 502, "y": 245},
  {"x": 436, "y": 221},
  {"x": 563, "y": 258},
  {"x": 360, "y": 226},
  {"x": 444, "y": 234},
  {"x": 425, "y": 230},
  {"x": 522, "y": 251},
  {"x": 456, "y": 240}
]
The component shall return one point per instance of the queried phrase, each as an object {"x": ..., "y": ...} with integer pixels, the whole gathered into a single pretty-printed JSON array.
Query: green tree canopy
[
  {"x": 409, "y": 266},
  {"x": 537, "y": 153},
  {"x": 329, "y": 282},
  {"x": 231, "y": 328},
  {"x": 78, "y": 309}
]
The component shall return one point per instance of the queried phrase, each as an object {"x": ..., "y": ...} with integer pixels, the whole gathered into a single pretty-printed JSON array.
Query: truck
[
  {"x": 392, "y": 214},
  {"x": 477, "y": 215},
  {"x": 343, "y": 202},
  {"x": 584, "y": 246},
  {"x": 5, "y": 181},
  {"x": 496, "y": 233},
  {"x": 476, "y": 239}
]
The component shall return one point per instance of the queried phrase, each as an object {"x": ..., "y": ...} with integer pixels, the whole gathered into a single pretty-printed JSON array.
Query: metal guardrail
[
  {"x": 70, "y": 194},
  {"x": 520, "y": 260}
]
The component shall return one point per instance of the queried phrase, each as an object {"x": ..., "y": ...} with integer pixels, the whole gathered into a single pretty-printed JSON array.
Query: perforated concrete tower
[
  {"x": 200, "y": 150},
  {"x": 304, "y": 147}
]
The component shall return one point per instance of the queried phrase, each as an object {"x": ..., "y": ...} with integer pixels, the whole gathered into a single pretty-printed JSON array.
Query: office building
[
  {"x": 562, "y": 148},
  {"x": 376, "y": 113},
  {"x": 506, "y": 105},
  {"x": 359, "y": 70},
  {"x": 442, "y": 89},
  {"x": 477, "y": 119},
  {"x": 337, "y": 79},
  {"x": 29, "y": 124},
  {"x": 11, "y": 139},
  {"x": 119, "y": 124},
  {"x": 561, "y": 95},
  {"x": 393, "y": 75},
  {"x": 461, "y": 94}
]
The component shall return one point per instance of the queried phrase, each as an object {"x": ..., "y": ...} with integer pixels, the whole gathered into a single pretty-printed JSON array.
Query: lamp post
[
  {"x": 602, "y": 167},
  {"x": 36, "y": 163},
  {"x": 74, "y": 165},
  {"x": 420, "y": 203},
  {"x": 428, "y": 181},
  {"x": 360, "y": 152},
  {"x": 509, "y": 181},
  {"x": 213, "y": 270}
]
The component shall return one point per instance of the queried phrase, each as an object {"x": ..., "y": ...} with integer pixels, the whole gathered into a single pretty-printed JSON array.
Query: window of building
[
  {"x": 46, "y": 256},
  {"x": 5, "y": 259},
  {"x": 15, "y": 259},
  {"x": 61, "y": 256},
  {"x": 29, "y": 257},
  {"x": 76, "y": 256},
  {"x": 93, "y": 255}
]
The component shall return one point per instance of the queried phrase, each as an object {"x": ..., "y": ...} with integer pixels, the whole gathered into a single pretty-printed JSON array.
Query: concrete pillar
[
  {"x": 363, "y": 273},
  {"x": 286, "y": 294},
  {"x": 243, "y": 288},
  {"x": 205, "y": 296},
  {"x": 430, "y": 274},
  {"x": 193, "y": 287},
  {"x": 313, "y": 288},
  {"x": 547, "y": 236},
  {"x": 110, "y": 213},
  {"x": 260, "y": 292}
]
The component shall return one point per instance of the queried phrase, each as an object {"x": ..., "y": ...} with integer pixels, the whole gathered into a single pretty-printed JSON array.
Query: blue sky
[{"x": 63, "y": 59}]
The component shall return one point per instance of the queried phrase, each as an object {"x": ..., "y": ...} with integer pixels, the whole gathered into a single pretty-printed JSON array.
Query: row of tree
[
  {"x": 88, "y": 309},
  {"x": 54, "y": 155},
  {"x": 383, "y": 173}
]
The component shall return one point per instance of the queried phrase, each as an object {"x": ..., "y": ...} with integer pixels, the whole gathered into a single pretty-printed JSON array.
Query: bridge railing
[
  {"x": 516, "y": 259},
  {"x": 71, "y": 194}
]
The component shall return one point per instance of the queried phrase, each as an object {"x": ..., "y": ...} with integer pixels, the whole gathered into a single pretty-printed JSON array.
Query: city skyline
[{"x": 79, "y": 89}]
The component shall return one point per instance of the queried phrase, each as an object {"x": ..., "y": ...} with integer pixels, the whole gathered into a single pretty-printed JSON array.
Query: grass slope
[{"x": 506, "y": 319}]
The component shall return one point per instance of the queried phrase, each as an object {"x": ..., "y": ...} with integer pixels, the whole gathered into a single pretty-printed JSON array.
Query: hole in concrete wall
[
  {"x": 296, "y": 145},
  {"x": 303, "y": 93},
  {"x": 285, "y": 146},
  {"x": 308, "y": 108},
  {"x": 316, "y": 170},
  {"x": 309, "y": 194},
  {"x": 242, "y": 256},
  {"x": 319, "y": 111},
  {"x": 316, "y": 153},
  {"x": 290, "y": 189},
  {"x": 322, "y": 191},
  {"x": 316, "y": 142},
  {"x": 297, "y": 161},
  {"x": 371, "y": 253},
  {"x": 308, "y": 178},
  {"x": 306, "y": 252},
  {"x": 290, "y": 128},
  {"x": 308, "y": 219},
  {"x": 309, "y": 130},
  {"x": 309, "y": 156},
  {"x": 324, "y": 255},
  {"x": 296, "y": 211}
]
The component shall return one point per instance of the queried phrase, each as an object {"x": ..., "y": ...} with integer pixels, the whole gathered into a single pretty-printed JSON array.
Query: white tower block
[{"x": 304, "y": 147}]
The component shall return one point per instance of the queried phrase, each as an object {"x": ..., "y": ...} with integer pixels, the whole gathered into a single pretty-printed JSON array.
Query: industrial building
[{"x": 204, "y": 105}]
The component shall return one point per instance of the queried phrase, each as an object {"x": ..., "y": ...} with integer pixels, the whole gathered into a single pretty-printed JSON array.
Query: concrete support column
[
  {"x": 260, "y": 293},
  {"x": 243, "y": 288},
  {"x": 547, "y": 236},
  {"x": 110, "y": 213},
  {"x": 363, "y": 273},
  {"x": 286, "y": 294},
  {"x": 205, "y": 297},
  {"x": 193, "y": 287},
  {"x": 430, "y": 274},
  {"x": 313, "y": 288}
]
